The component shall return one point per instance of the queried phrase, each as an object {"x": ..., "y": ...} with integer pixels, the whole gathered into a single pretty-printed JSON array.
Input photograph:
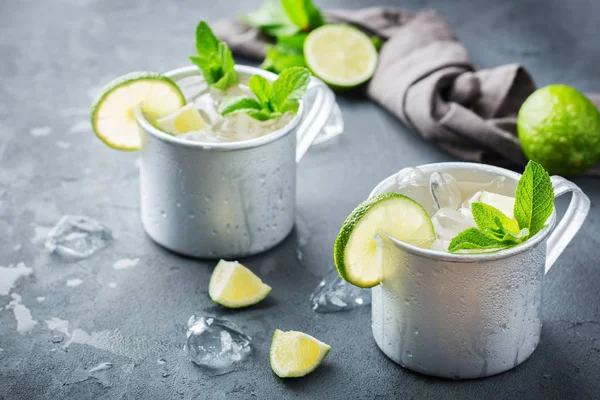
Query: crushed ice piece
[
  {"x": 448, "y": 223},
  {"x": 40, "y": 131},
  {"x": 161, "y": 361},
  {"x": 81, "y": 126},
  {"x": 25, "y": 321},
  {"x": 63, "y": 145},
  {"x": 440, "y": 245},
  {"x": 74, "y": 282},
  {"x": 76, "y": 237},
  {"x": 99, "y": 372},
  {"x": 59, "y": 325},
  {"x": 216, "y": 344},
  {"x": 444, "y": 190},
  {"x": 40, "y": 299},
  {"x": 101, "y": 367},
  {"x": 57, "y": 339},
  {"x": 335, "y": 294},
  {"x": 125, "y": 263},
  {"x": 413, "y": 183},
  {"x": 10, "y": 275}
]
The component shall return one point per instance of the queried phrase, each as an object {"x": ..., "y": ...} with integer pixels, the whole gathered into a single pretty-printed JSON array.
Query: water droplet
[
  {"x": 213, "y": 233},
  {"x": 163, "y": 214},
  {"x": 415, "y": 331},
  {"x": 178, "y": 205},
  {"x": 408, "y": 354},
  {"x": 191, "y": 215}
]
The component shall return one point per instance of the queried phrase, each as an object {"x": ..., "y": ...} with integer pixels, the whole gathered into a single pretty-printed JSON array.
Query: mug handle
[
  {"x": 316, "y": 118},
  {"x": 570, "y": 222}
]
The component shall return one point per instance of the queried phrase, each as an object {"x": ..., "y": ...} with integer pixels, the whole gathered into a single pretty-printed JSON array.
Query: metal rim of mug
[
  {"x": 192, "y": 70},
  {"x": 471, "y": 258}
]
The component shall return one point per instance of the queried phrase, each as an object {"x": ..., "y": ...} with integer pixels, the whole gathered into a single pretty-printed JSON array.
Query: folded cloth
[{"x": 425, "y": 77}]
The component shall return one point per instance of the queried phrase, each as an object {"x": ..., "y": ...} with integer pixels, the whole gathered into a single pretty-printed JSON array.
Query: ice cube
[
  {"x": 192, "y": 87},
  {"x": 448, "y": 223},
  {"x": 335, "y": 294},
  {"x": 444, "y": 190},
  {"x": 467, "y": 203},
  {"x": 75, "y": 237},
  {"x": 216, "y": 344},
  {"x": 440, "y": 245},
  {"x": 207, "y": 107},
  {"x": 413, "y": 183}
]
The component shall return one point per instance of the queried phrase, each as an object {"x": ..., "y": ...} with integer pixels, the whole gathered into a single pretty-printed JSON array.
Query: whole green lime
[{"x": 560, "y": 128}]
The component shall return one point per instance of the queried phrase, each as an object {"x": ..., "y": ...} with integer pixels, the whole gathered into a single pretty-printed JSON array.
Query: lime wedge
[
  {"x": 505, "y": 204},
  {"x": 186, "y": 119},
  {"x": 233, "y": 285},
  {"x": 340, "y": 55},
  {"x": 357, "y": 253},
  {"x": 295, "y": 354},
  {"x": 112, "y": 112}
]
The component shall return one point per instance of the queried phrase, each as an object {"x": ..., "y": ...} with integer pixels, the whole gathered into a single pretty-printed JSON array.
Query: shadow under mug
[
  {"x": 466, "y": 316},
  {"x": 218, "y": 200}
]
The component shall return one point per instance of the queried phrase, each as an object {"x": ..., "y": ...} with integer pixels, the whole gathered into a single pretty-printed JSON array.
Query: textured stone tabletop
[{"x": 54, "y": 56}]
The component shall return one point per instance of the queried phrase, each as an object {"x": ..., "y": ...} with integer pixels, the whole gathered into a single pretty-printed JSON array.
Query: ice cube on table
[
  {"x": 76, "y": 237},
  {"x": 335, "y": 294},
  {"x": 216, "y": 344},
  {"x": 444, "y": 190},
  {"x": 448, "y": 223}
]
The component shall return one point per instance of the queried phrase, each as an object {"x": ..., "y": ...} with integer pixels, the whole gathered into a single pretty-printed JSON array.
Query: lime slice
[
  {"x": 506, "y": 204},
  {"x": 112, "y": 112},
  {"x": 186, "y": 119},
  {"x": 340, "y": 55},
  {"x": 295, "y": 354},
  {"x": 358, "y": 256},
  {"x": 233, "y": 285}
]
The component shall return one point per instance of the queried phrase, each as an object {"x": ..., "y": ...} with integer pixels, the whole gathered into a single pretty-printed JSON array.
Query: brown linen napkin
[{"x": 425, "y": 77}]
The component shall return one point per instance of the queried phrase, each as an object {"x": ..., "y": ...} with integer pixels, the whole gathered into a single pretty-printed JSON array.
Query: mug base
[
  {"x": 214, "y": 255},
  {"x": 460, "y": 374}
]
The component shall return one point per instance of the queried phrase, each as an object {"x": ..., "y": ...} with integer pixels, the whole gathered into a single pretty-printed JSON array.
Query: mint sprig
[
  {"x": 287, "y": 52},
  {"x": 271, "y": 19},
  {"x": 272, "y": 100},
  {"x": 214, "y": 59},
  {"x": 534, "y": 203}
]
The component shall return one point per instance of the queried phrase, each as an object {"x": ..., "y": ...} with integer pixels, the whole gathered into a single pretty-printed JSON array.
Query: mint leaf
[
  {"x": 303, "y": 13},
  {"x": 490, "y": 218},
  {"x": 289, "y": 88},
  {"x": 513, "y": 239},
  {"x": 287, "y": 53},
  {"x": 295, "y": 41},
  {"x": 474, "y": 239},
  {"x": 263, "y": 90},
  {"x": 534, "y": 200},
  {"x": 377, "y": 42},
  {"x": 237, "y": 104},
  {"x": 214, "y": 59},
  {"x": 272, "y": 100},
  {"x": 271, "y": 19},
  {"x": 279, "y": 57}
]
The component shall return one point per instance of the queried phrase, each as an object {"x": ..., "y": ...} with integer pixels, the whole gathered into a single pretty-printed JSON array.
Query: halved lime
[
  {"x": 294, "y": 354},
  {"x": 340, "y": 55},
  {"x": 505, "y": 204},
  {"x": 357, "y": 253},
  {"x": 113, "y": 120},
  {"x": 233, "y": 285},
  {"x": 184, "y": 120}
]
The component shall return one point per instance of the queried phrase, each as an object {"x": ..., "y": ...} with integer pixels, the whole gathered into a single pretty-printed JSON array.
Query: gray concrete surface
[{"x": 53, "y": 57}]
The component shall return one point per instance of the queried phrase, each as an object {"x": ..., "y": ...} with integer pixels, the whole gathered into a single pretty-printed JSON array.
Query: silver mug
[
  {"x": 225, "y": 200},
  {"x": 467, "y": 316}
]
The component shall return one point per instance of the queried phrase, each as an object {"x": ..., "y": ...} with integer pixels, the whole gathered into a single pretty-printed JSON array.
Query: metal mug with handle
[
  {"x": 231, "y": 199},
  {"x": 468, "y": 315}
]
